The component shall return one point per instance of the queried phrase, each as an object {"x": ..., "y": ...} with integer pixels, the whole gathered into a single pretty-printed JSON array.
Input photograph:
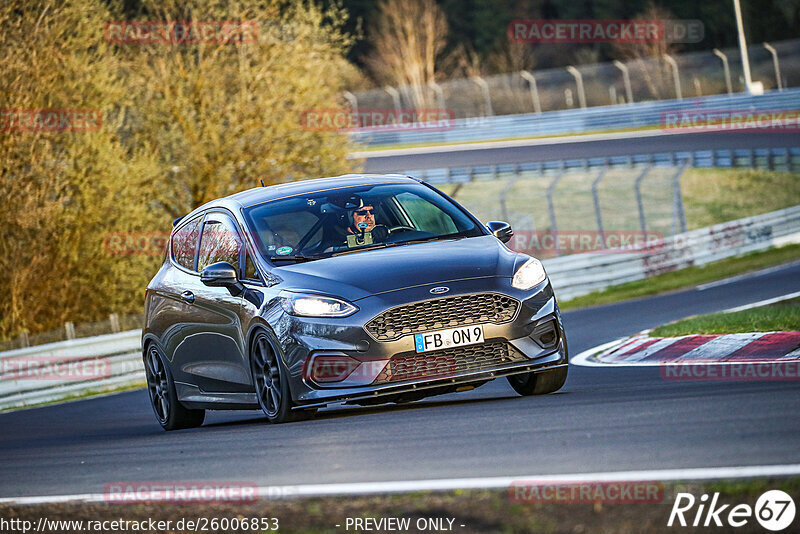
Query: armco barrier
[
  {"x": 56, "y": 371},
  {"x": 579, "y": 274},
  {"x": 570, "y": 121},
  {"x": 120, "y": 354}
]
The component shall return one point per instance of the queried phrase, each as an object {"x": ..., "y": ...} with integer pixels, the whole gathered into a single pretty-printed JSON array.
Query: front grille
[
  {"x": 449, "y": 362},
  {"x": 448, "y": 312}
]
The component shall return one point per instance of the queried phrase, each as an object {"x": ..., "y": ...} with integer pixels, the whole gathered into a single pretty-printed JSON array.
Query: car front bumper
[{"x": 302, "y": 339}]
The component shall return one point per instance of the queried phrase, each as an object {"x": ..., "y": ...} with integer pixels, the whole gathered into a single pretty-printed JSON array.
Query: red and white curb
[{"x": 642, "y": 350}]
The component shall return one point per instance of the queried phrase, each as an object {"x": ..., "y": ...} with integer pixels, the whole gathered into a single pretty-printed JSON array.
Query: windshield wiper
[
  {"x": 294, "y": 258},
  {"x": 432, "y": 238},
  {"x": 400, "y": 243},
  {"x": 366, "y": 247}
]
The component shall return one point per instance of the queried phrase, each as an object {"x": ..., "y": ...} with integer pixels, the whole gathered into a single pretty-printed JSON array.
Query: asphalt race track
[
  {"x": 566, "y": 148},
  {"x": 603, "y": 420}
]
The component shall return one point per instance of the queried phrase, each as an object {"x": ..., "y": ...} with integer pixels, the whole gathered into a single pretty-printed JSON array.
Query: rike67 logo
[{"x": 774, "y": 511}]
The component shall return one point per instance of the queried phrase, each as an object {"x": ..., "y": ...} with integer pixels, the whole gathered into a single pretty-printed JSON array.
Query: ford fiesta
[{"x": 361, "y": 289}]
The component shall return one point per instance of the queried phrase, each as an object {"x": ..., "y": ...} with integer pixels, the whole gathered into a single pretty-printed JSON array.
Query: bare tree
[
  {"x": 648, "y": 57},
  {"x": 408, "y": 39}
]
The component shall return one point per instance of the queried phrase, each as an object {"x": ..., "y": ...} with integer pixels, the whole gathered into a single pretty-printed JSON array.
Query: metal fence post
[
  {"x": 504, "y": 194},
  {"x": 113, "y": 319},
  {"x": 352, "y": 100},
  {"x": 626, "y": 79},
  {"x": 675, "y": 75},
  {"x": 24, "y": 340},
  {"x": 775, "y": 64},
  {"x": 537, "y": 105},
  {"x": 69, "y": 327},
  {"x": 395, "y": 94},
  {"x": 439, "y": 93},
  {"x": 551, "y": 208},
  {"x": 487, "y": 100},
  {"x": 596, "y": 198},
  {"x": 639, "y": 203},
  {"x": 725, "y": 68},
  {"x": 679, "y": 216},
  {"x": 579, "y": 82}
]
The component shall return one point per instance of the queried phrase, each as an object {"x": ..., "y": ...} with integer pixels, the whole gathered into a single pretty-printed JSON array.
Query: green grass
[
  {"x": 684, "y": 278},
  {"x": 712, "y": 196},
  {"x": 478, "y": 510},
  {"x": 778, "y": 317}
]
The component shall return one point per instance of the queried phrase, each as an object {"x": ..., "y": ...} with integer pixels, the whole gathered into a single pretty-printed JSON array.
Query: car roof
[{"x": 259, "y": 195}]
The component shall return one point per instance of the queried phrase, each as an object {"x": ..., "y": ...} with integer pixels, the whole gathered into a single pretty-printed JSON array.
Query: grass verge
[
  {"x": 775, "y": 317},
  {"x": 477, "y": 510},
  {"x": 685, "y": 278}
]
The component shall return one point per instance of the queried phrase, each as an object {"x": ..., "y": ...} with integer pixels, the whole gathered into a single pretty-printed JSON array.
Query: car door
[
  {"x": 169, "y": 311},
  {"x": 212, "y": 353}
]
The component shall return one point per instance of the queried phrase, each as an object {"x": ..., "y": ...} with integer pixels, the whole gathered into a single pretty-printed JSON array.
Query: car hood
[{"x": 362, "y": 274}]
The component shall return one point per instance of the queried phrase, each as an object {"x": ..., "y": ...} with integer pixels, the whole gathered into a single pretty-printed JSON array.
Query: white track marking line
[
  {"x": 365, "y": 488},
  {"x": 768, "y": 270},
  {"x": 719, "y": 347},
  {"x": 765, "y": 302},
  {"x": 586, "y": 358},
  {"x": 511, "y": 143}
]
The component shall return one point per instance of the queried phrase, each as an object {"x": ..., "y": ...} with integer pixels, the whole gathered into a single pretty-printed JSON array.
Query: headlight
[
  {"x": 529, "y": 275},
  {"x": 307, "y": 305}
]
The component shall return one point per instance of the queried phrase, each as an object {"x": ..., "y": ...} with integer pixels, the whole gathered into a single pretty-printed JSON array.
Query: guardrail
[
  {"x": 58, "y": 371},
  {"x": 580, "y": 274},
  {"x": 601, "y": 118}
]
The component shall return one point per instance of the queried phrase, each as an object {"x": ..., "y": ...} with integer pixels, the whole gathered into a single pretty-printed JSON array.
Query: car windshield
[{"x": 326, "y": 223}]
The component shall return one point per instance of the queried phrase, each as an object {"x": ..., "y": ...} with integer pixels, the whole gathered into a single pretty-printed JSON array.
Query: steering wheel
[{"x": 401, "y": 228}]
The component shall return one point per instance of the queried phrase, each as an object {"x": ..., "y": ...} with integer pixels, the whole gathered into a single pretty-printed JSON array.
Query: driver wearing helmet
[{"x": 363, "y": 229}]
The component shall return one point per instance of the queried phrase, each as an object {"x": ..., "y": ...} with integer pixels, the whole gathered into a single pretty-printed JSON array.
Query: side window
[
  {"x": 184, "y": 243},
  {"x": 249, "y": 268},
  {"x": 425, "y": 216},
  {"x": 220, "y": 242}
]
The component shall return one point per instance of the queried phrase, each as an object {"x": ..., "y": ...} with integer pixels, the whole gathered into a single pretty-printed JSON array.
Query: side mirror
[
  {"x": 501, "y": 230},
  {"x": 222, "y": 274}
]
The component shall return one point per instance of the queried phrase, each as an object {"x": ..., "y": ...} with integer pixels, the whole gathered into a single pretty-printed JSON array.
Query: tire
[
  {"x": 540, "y": 383},
  {"x": 271, "y": 383},
  {"x": 170, "y": 413}
]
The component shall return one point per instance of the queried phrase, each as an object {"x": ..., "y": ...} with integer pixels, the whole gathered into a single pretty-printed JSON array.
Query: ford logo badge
[{"x": 439, "y": 290}]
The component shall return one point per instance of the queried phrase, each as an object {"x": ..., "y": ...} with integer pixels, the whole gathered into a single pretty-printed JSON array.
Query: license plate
[{"x": 447, "y": 339}]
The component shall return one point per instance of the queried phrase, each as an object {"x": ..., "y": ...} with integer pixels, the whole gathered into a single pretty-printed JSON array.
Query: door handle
[{"x": 188, "y": 297}]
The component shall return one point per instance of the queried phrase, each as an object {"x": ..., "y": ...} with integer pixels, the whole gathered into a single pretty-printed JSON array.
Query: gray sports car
[{"x": 360, "y": 289}]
